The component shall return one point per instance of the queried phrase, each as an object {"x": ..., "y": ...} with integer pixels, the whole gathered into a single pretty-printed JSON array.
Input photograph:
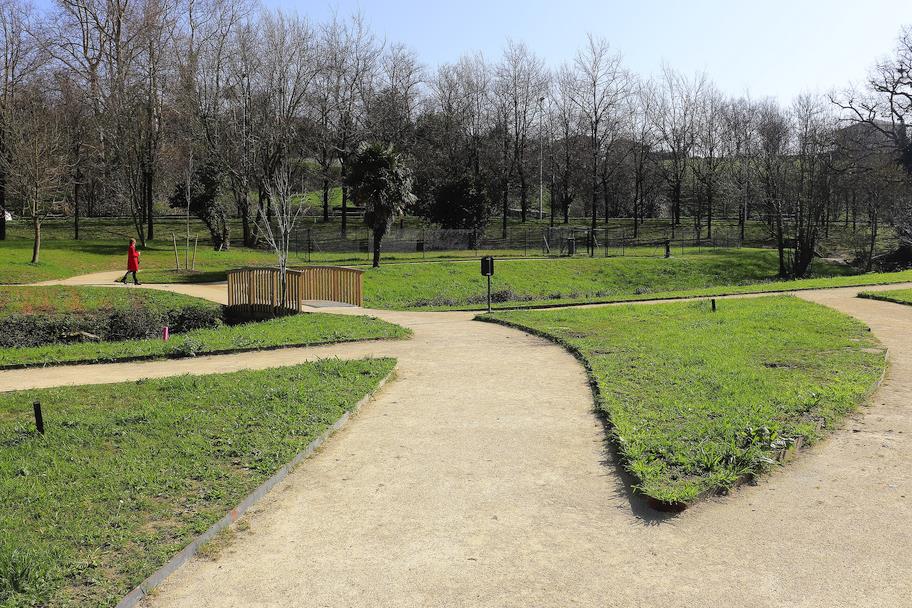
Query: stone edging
[{"x": 156, "y": 578}]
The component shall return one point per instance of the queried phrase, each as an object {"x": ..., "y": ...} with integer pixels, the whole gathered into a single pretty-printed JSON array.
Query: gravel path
[{"x": 480, "y": 477}]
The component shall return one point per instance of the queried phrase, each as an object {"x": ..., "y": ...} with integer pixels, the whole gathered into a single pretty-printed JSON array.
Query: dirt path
[{"x": 480, "y": 478}]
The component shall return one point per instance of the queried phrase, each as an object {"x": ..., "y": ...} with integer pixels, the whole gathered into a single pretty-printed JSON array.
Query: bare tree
[
  {"x": 522, "y": 80},
  {"x": 644, "y": 139},
  {"x": 22, "y": 57},
  {"x": 353, "y": 56},
  {"x": 814, "y": 142},
  {"x": 277, "y": 222},
  {"x": 391, "y": 116},
  {"x": 885, "y": 104},
  {"x": 36, "y": 164},
  {"x": 884, "y": 107},
  {"x": 708, "y": 164},
  {"x": 741, "y": 148},
  {"x": 774, "y": 133},
  {"x": 601, "y": 86},
  {"x": 233, "y": 133},
  {"x": 567, "y": 129},
  {"x": 675, "y": 120}
]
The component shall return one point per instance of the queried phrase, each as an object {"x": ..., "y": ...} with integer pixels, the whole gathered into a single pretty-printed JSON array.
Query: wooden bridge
[{"x": 257, "y": 291}]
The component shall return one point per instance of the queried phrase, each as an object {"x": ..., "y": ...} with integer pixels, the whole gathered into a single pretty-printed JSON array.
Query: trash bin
[
  {"x": 419, "y": 246},
  {"x": 571, "y": 245}
]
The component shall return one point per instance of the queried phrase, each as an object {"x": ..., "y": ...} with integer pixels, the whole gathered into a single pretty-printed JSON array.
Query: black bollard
[
  {"x": 39, "y": 419},
  {"x": 713, "y": 304}
]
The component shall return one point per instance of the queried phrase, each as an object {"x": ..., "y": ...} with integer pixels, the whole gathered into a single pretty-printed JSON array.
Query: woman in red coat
[{"x": 132, "y": 263}]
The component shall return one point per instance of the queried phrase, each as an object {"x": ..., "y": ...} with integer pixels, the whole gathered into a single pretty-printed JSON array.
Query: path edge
[
  {"x": 723, "y": 291},
  {"x": 172, "y": 356},
  {"x": 783, "y": 455},
  {"x": 134, "y": 597}
]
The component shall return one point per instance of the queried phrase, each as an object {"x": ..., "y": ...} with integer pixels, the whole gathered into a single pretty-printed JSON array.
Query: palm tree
[{"x": 379, "y": 180}]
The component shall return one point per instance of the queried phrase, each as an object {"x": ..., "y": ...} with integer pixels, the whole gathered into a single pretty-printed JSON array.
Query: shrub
[{"x": 21, "y": 330}]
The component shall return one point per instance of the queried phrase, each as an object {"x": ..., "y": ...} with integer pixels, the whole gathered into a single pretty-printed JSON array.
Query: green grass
[
  {"x": 897, "y": 296},
  {"x": 297, "y": 330},
  {"x": 70, "y": 300},
  {"x": 571, "y": 280},
  {"x": 699, "y": 400},
  {"x": 61, "y": 259},
  {"x": 127, "y": 474}
]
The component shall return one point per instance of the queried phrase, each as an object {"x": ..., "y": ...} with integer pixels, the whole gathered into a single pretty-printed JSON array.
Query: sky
[{"x": 763, "y": 47}]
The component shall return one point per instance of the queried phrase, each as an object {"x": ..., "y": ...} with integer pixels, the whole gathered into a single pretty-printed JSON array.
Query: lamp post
[{"x": 541, "y": 158}]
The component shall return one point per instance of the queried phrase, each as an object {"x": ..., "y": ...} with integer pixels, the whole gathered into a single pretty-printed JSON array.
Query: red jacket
[{"x": 132, "y": 259}]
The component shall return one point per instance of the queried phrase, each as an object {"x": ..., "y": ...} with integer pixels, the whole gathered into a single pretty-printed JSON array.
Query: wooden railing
[
  {"x": 257, "y": 291},
  {"x": 333, "y": 283}
]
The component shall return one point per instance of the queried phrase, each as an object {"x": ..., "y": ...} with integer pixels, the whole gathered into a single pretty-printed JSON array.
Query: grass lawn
[
  {"x": 698, "y": 400},
  {"x": 70, "y": 300},
  {"x": 296, "y": 330},
  {"x": 899, "y": 296},
  {"x": 439, "y": 280},
  {"x": 563, "y": 281},
  {"x": 127, "y": 474},
  {"x": 66, "y": 258}
]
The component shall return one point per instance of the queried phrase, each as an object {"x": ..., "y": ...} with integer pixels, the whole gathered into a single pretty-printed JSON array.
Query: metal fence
[{"x": 519, "y": 242}]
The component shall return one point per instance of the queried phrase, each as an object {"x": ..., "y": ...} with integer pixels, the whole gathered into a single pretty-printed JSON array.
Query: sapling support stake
[
  {"x": 176, "y": 257},
  {"x": 39, "y": 419}
]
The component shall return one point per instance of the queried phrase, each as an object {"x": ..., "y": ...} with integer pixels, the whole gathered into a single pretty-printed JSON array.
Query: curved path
[{"x": 480, "y": 477}]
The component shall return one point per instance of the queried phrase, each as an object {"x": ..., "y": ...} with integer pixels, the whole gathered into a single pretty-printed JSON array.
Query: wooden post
[{"x": 39, "y": 419}]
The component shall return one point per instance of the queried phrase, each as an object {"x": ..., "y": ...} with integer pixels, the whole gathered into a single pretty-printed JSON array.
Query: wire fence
[{"x": 531, "y": 241}]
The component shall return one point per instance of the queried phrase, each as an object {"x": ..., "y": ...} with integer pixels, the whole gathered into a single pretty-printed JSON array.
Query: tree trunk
[
  {"x": 709, "y": 213},
  {"x": 593, "y": 223},
  {"x": 36, "y": 246},
  {"x": 2, "y": 207},
  {"x": 780, "y": 245},
  {"x": 262, "y": 202},
  {"x": 325, "y": 199},
  {"x": 344, "y": 211},
  {"x": 76, "y": 208},
  {"x": 872, "y": 216},
  {"x": 378, "y": 240},
  {"x": 147, "y": 193},
  {"x": 505, "y": 202},
  {"x": 551, "y": 188},
  {"x": 243, "y": 204},
  {"x": 741, "y": 223},
  {"x": 523, "y": 194}
]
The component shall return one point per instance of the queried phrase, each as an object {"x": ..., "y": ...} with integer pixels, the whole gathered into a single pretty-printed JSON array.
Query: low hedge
[{"x": 116, "y": 317}]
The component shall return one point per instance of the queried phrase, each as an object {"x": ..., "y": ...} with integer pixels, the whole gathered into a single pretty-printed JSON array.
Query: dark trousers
[{"x": 128, "y": 273}]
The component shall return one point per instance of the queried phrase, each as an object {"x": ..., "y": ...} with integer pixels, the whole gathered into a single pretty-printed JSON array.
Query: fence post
[{"x": 39, "y": 419}]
